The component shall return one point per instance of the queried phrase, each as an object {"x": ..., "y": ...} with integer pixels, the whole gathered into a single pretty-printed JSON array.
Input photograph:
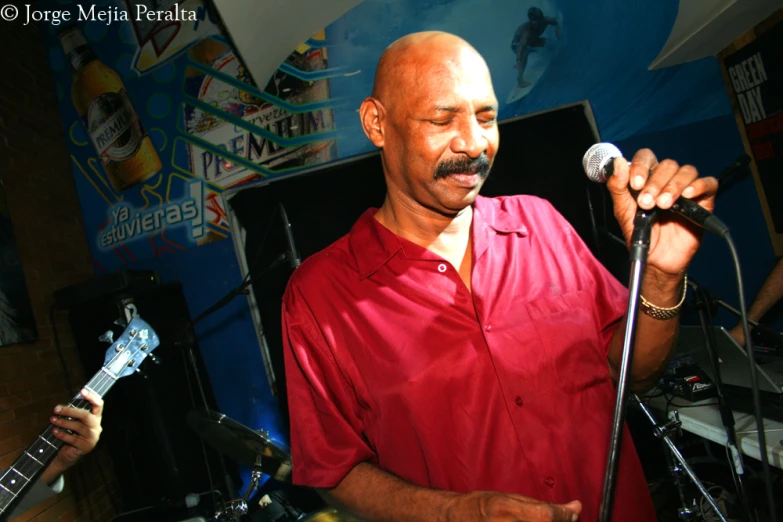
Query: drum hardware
[
  {"x": 231, "y": 510},
  {"x": 678, "y": 465},
  {"x": 255, "y": 449},
  {"x": 250, "y": 448}
]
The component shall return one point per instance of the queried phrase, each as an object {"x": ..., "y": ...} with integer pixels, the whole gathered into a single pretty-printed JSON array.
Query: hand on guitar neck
[
  {"x": 74, "y": 429},
  {"x": 79, "y": 429}
]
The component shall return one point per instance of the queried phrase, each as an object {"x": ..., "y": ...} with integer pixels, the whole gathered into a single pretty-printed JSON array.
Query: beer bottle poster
[
  {"x": 755, "y": 79},
  {"x": 161, "y": 117}
]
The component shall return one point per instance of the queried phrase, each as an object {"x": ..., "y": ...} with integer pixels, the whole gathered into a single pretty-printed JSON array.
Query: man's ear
[{"x": 372, "y": 115}]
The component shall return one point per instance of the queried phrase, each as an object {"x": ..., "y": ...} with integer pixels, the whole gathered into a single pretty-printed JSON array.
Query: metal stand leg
[
  {"x": 680, "y": 466},
  {"x": 688, "y": 511},
  {"x": 235, "y": 509}
]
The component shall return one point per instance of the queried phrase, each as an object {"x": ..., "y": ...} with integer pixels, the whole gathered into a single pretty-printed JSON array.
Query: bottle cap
[{"x": 71, "y": 39}]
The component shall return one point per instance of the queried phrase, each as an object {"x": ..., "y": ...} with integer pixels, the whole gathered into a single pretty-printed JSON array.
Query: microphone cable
[{"x": 754, "y": 384}]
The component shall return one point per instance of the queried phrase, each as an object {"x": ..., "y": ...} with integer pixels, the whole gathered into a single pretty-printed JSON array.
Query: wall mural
[{"x": 161, "y": 116}]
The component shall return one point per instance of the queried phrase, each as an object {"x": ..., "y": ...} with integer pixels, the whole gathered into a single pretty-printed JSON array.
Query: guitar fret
[
  {"x": 13, "y": 481},
  {"x": 17, "y": 472},
  {"x": 43, "y": 451},
  {"x": 26, "y": 466},
  {"x": 100, "y": 385},
  {"x": 8, "y": 490},
  {"x": 6, "y": 498},
  {"x": 35, "y": 459},
  {"x": 49, "y": 439},
  {"x": 46, "y": 441}
]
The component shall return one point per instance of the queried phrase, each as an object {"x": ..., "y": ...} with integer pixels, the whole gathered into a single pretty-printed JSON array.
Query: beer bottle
[{"x": 98, "y": 94}]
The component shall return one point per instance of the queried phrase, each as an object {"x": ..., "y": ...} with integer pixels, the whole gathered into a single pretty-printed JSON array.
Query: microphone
[
  {"x": 293, "y": 257},
  {"x": 598, "y": 163},
  {"x": 741, "y": 161}
]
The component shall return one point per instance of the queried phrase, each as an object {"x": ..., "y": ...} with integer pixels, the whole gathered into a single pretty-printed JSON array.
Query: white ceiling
[
  {"x": 265, "y": 32},
  {"x": 706, "y": 27}
]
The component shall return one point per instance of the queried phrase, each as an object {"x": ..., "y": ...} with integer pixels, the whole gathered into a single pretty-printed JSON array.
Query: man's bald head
[
  {"x": 403, "y": 63},
  {"x": 433, "y": 114}
]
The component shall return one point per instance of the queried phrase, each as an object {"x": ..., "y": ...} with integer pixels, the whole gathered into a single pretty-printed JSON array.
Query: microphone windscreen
[{"x": 596, "y": 161}]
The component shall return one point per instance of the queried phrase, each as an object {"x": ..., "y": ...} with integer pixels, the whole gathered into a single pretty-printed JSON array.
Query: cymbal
[{"x": 241, "y": 444}]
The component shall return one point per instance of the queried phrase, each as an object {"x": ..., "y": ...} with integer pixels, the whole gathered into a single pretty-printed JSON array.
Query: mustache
[{"x": 463, "y": 165}]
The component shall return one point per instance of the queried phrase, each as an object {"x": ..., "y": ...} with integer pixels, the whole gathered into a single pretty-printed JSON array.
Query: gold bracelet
[{"x": 663, "y": 314}]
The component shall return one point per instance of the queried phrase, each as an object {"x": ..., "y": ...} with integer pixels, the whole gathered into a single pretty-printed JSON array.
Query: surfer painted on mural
[{"x": 528, "y": 36}]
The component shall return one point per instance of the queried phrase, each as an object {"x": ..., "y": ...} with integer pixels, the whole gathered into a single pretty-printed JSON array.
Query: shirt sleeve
[
  {"x": 38, "y": 492},
  {"x": 327, "y": 439}
]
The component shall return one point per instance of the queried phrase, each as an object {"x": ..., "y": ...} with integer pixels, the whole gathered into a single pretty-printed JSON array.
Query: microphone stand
[
  {"x": 726, "y": 414},
  {"x": 640, "y": 246},
  {"x": 709, "y": 298}
]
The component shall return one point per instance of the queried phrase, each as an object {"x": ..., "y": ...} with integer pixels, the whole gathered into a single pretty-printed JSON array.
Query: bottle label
[{"x": 113, "y": 126}]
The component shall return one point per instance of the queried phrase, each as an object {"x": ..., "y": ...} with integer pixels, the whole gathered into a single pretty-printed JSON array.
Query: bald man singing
[{"x": 453, "y": 357}]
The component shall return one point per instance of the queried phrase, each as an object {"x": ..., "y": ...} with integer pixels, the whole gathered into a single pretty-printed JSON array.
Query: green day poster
[
  {"x": 161, "y": 117},
  {"x": 756, "y": 82}
]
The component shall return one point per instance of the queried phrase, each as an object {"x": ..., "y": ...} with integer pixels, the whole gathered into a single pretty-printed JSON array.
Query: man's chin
[{"x": 460, "y": 202}]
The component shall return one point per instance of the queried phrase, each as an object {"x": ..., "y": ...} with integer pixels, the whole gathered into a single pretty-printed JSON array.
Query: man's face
[{"x": 441, "y": 133}]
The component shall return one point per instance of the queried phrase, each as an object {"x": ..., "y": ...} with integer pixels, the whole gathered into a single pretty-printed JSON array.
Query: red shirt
[{"x": 390, "y": 359}]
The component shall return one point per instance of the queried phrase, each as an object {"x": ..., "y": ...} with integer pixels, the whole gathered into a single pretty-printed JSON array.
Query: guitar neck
[{"x": 30, "y": 464}]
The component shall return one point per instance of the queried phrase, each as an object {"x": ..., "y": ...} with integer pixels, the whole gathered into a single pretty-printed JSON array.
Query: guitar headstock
[{"x": 129, "y": 350}]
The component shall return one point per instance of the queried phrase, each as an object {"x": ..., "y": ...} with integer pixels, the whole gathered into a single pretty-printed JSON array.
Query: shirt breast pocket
[{"x": 569, "y": 340}]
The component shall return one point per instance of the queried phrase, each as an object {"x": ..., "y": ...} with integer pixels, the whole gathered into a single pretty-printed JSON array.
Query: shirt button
[
  {"x": 549, "y": 481},
  {"x": 488, "y": 328},
  {"x": 441, "y": 268},
  {"x": 518, "y": 401}
]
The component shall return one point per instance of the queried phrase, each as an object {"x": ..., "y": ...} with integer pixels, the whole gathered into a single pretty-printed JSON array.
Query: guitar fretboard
[{"x": 34, "y": 459}]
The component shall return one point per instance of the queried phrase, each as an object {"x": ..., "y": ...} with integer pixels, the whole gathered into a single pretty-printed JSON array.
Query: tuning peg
[
  {"x": 121, "y": 322},
  {"x": 154, "y": 359},
  {"x": 106, "y": 337}
]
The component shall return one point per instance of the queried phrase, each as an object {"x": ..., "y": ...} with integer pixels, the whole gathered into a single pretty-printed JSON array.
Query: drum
[{"x": 328, "y": 515}]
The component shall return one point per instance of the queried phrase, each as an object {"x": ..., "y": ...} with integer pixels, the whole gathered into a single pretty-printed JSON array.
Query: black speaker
[
  {"x": 103, "y": 285},
  {"x": 158, "y": 458}
]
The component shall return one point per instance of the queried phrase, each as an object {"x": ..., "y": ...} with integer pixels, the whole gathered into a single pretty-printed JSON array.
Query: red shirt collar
[{"x": 373, "y": 245}]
